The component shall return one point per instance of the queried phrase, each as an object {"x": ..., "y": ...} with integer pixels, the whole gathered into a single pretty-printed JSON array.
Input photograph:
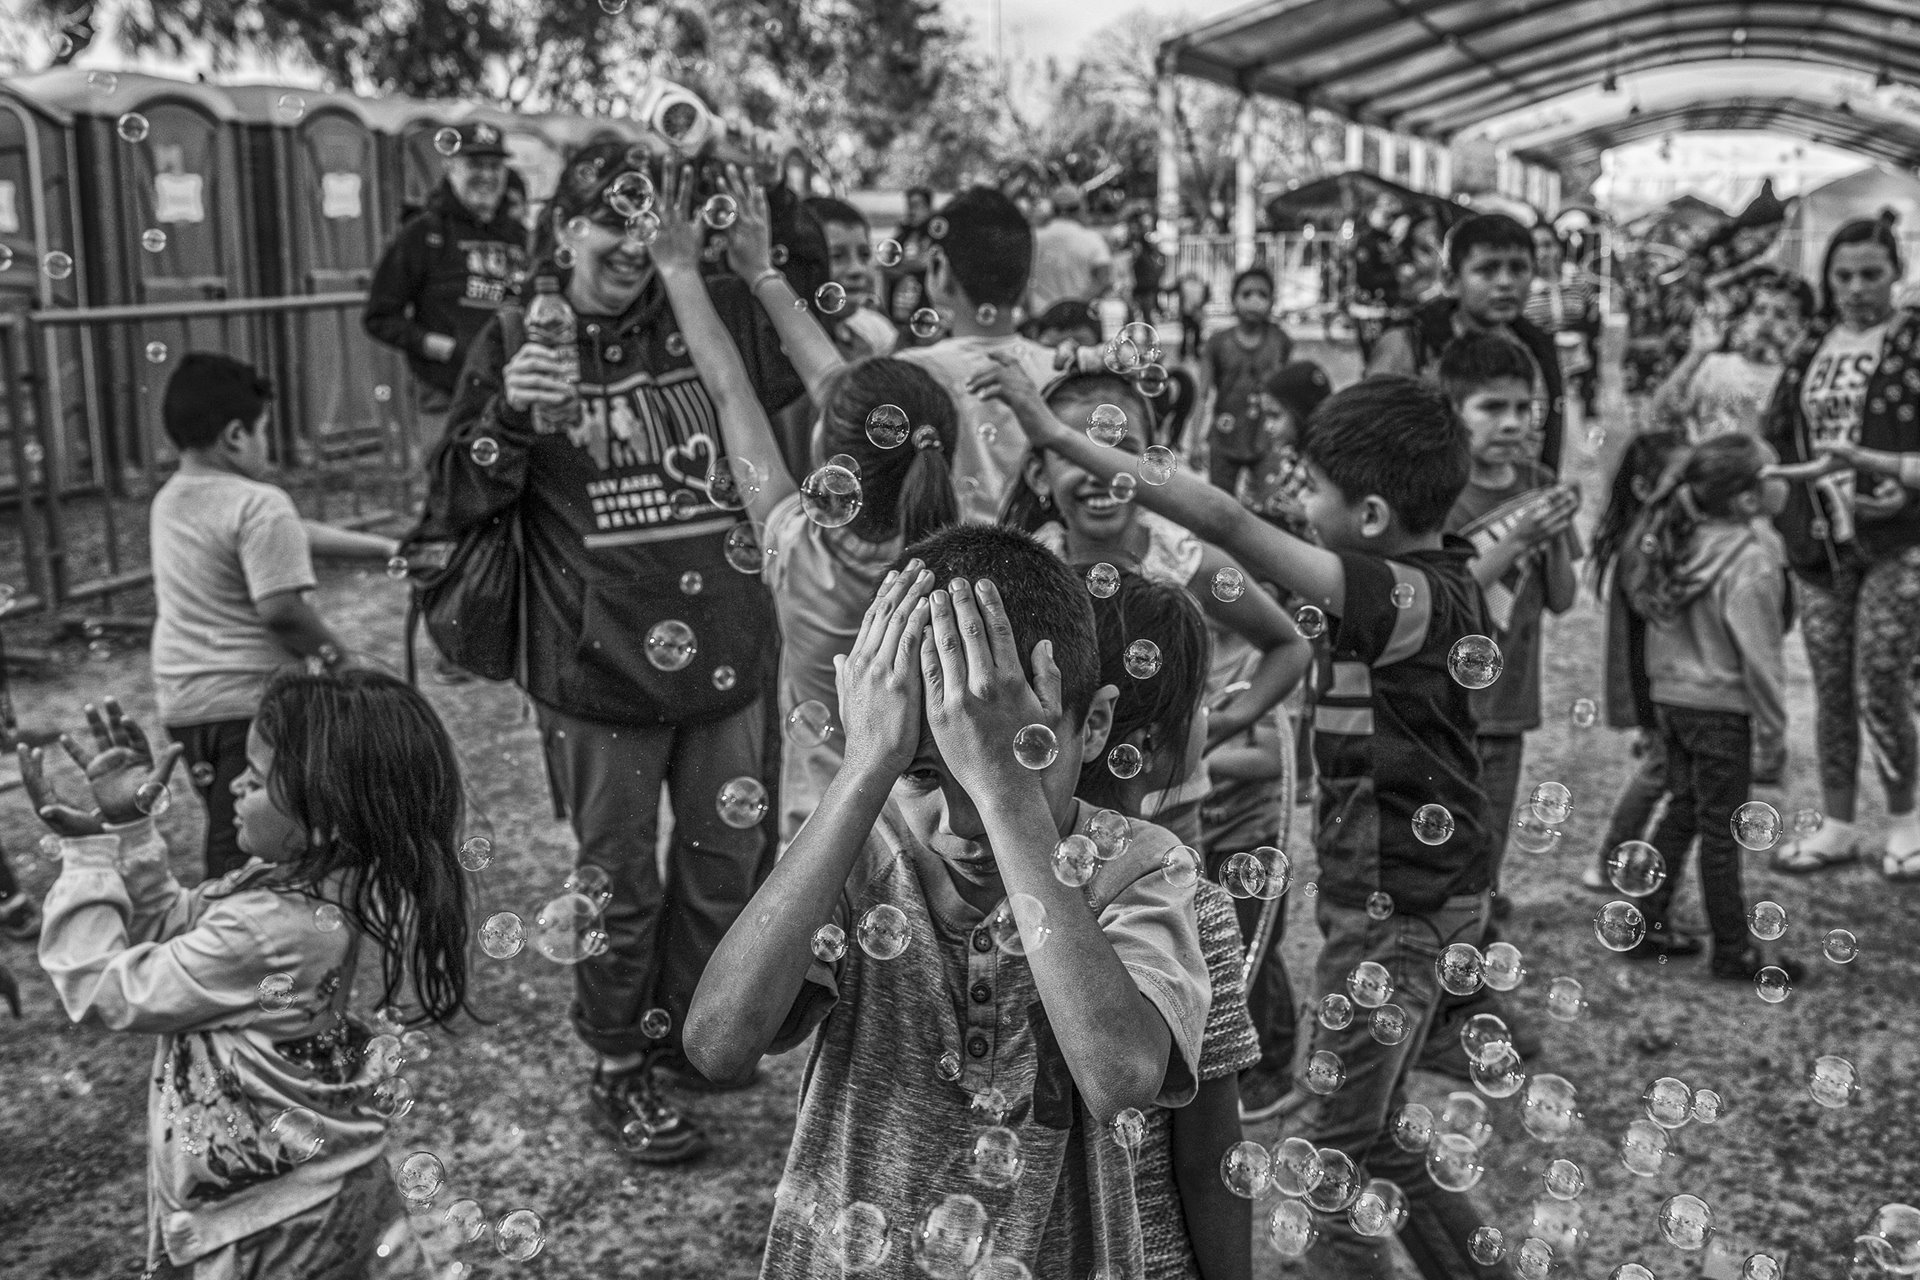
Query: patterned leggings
[{"x": 1861, "y": 635}]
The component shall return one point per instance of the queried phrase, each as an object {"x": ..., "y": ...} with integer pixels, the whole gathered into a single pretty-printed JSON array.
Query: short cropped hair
[
  {"x": 205, "y": 393},
  {"x": 1485, "y": 231},
  {"x": 988, "y": 245},
  {"x": 1045, "y": 600},
  {"x": 1472, "y": 361},
  {"x": 1397, "y": 438},
  {"x": 833, "y": 211}
]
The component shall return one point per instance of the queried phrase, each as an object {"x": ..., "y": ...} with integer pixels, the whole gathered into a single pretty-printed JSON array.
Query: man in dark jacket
[
  {"x": 1489, "y": 270},
  {"x": 447, "y": 272}
]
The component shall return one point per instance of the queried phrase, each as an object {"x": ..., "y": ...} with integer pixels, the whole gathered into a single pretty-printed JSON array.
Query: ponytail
[
  {"x": 1701, "y": 485},
  {"x": 907, "y": 490},
  {"x": 927, "y": 502}
]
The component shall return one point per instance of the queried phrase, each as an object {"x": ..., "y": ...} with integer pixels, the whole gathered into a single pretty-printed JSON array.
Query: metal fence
[
  {"x": 82, "y": 450},
  {"x": 1306, "y": 271}
]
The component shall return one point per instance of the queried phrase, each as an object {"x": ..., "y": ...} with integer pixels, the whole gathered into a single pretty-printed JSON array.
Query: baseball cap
[{"x": 479, "y": 138}]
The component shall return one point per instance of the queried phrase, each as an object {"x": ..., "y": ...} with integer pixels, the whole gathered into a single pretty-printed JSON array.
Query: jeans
[
  {"x": 1357, "y": 1118},
  {"x": 1862, "y": 632},
  {"x": 1638, "y": 799},
  {"x": 222, "y": 748},
  {"x": 1709, "y": 774},
  {"x": 660, "y": 933},
  {"x": 1501, "y": 756}
]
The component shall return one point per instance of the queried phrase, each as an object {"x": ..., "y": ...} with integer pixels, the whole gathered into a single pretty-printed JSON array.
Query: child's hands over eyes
[
  {"x": 879, "y": 678},
  {"x": 1004, "y": 380},
  {"x": 117, "y": 766},
  {"x": 978, "y": 698}
]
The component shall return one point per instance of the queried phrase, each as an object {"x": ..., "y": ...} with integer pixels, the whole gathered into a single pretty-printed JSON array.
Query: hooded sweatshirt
[{"x": 1721, "y": 649}]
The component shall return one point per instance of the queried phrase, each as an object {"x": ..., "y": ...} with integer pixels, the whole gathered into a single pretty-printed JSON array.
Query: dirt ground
[{"x": 502, "y": 1104}]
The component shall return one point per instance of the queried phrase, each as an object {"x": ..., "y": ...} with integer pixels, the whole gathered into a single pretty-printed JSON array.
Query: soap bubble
[
  {"x": 1379, "y": 1211},
  {"x": 520, "y": 1235},
  {"x": 742, "y": 548},
  {"x": 1668, "y": 1102},
  {"x": 1182, "y": 866},
  {"x": 421, "y": 1177},
  {"x": 1465, "y": 1114},
  {"x": 1412, "y": 1127},
  {"x": 103, "y": 83},
  {"x": 1619, "y": 926},
  {"x": 1533, "y": 1259},
  {"x": 1389, "y": 1024},
  {"x": 468, "y": 1220},
  {"x": 1892, "y": 1241},
  {"x": 1311, "y": 621},
  {"x": 1833, "y": 1082},
  {"x": 58, "y": 264},
  {"x": 671, "y": 644},
  {"x": 1379, "y": 905},
  {"x": 590, "y": 882},
  {"x": 1103, "y": 580},
  {"x": 1840, "y": 946},
  {"x": 503, "y": 935},
  {"x": 720, "y": 211},
  {"x": 1402, "y": 596},
  {"x": 1487, "y": 1245},
  {"x": 485, "y": 451},
  {"x": 1499, "y": 1075},
  {"x": 888, "y": 253},
  {"x": 888, "y": 426},
  {"x": 1461, "y": 968},
  {"x": 1474, "y": 661},
  {"x": 1505, "y": 969},
  {"x": 1756, "y": 825},
  {"x": 1643, "y": 1148},
  {"x": 724, "y": 678},
  {"x": 1339, "y": 1184},
  {"x": 1760, "y": 1266},
  {"x": 1295, "y": 1167},
  {"x": 858, "y": 1240},
  {"x": 676, "y": 343},
  {"x": 1806, "y": 822},
  {"x": 1707, "y": 1106},
  {"x": 1229, "y": 584},
  {"x": 1107, "y": 424},
  {"x": 152, "y": 798},
  {"x": 1432, "y": 824},
  {"x": 1564, "y": 1180},
  {"x": 132, "y": 127},
  {"x": 1636, "y": 868},
  {"x": 1157, "y": 464},
  {"x": 1453, "y": 1162},
  {"x": 1291, "y": 1229},
  {"x": 1551, "y": 1110},
  {"x": 1336, "y": 1011},
  {"x": 884, "y": 932},
  {"x": 1245, "y": 1170},
  {"x": 1370, "y": 984},
  {"x": 1584, "y": 713},
  {"x": 742, "y": 802},
  {"x": 1485, "y": 1036},
  {"x": 629, "y": 194},
  {"x": 1019, "y": 925},
  {"x": 578, "y": 228},
  {"x": 829, "y": 943},
  {"x": 1128, "y": 1129},
  {"x": 1110, "y": 832},
  {"x": 328, "y": 918},
  {"x": 153, "y": 240},
  {"x": 276, "y": 992},
  {"x": 1767, "y": 921},
  {"x": 1566, "y": 1000},
  {"x": 831, "y": 298},
  {"x": 476, "y": 853},
  {"x": 1122, "y": 486},
  {"x": 924, "y": 323},
  {"x": 1035, "y": 747},
  {"x": 831, "y": 496},
  {"x": 1773, "y": 984},
  {"x": 564, "y": 929},
  {"x": 1630, "y": 1271},
  {"x": 1262, "y": 873},
  {"x": 1325, "y": 1072},
  {"x": 655, "y": 1024},
  {"x": 810, "y": 724},
  {"x": 300, "y": 1132},
  {"x": 1531, "y": 834},
  {"x": 1686, "y": 1222},
  {"x": 1074, "y": 861},
  {"x": 156, "y": 353},
  {"x": 1552, "y": 803},
  {"x": 1125, "y": 761}
]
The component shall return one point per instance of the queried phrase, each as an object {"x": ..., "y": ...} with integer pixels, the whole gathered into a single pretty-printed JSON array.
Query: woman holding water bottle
[{"x": 648, "y": 634}]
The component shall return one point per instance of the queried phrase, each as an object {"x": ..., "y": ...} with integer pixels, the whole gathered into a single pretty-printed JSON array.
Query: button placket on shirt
[{"x": 979, "y": 1031}]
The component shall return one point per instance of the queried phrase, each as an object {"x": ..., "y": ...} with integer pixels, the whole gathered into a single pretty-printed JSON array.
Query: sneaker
[
  {"x": 1261, "y": 1094},
  {"x": 1746, "y": 964},
  {"x": 628, "y": 1106},
  {"x": 19, "y": 918},
  {"x": 1666, "y": 945}
]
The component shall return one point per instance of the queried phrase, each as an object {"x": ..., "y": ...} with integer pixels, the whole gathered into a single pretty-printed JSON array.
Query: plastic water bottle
[{"x": 550, "y": 323}]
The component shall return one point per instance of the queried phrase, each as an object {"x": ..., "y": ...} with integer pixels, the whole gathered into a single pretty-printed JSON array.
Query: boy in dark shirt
[{"x": 1393, "y": 732}]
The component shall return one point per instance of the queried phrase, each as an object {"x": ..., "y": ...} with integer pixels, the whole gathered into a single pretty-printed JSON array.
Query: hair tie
[{"x": 925, "y": 437}]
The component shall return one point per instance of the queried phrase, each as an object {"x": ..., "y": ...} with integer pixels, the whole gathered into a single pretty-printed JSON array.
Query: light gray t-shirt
[
  {"x": 904, "y": 1046},
  {"x": 990, "y": 447},
  {"x": 220, "y": 544},
  {"x": 1065, "y": 257}
]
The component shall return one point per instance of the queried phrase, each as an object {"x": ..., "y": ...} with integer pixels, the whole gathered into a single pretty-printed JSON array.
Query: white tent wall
[{"x": 1817, "y": 214}]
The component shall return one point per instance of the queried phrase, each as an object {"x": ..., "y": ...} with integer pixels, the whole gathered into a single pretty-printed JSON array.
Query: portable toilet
[
  {"x": 318, "y": 210},
  {"x": 163, "y": 220}
]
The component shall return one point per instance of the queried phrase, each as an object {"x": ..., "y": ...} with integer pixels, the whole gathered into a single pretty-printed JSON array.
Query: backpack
[{"x": 469, "y": 589}]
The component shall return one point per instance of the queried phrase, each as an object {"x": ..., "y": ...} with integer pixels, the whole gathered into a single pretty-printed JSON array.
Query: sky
[{"x": 1040, "y": 29}]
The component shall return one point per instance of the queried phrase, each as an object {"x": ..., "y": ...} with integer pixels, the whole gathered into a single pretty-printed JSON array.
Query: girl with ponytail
[{"x": 823, "y": 542}]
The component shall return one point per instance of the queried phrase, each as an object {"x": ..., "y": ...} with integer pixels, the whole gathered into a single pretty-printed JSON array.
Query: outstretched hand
[
  {"x": 879, "y": 678},
  {"x": 978, "y": 698},
  {"x": 1003, "y": 379},
  {"x": 682, "y": 234},
  {"x": 750, "y": 239},
  {"x": 118, "y": 765}
]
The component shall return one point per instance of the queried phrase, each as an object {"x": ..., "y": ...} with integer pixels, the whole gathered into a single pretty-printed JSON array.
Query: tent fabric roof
[
  {"x": 1435, "y": 67},
  {"x": 1891, "y": 139}
]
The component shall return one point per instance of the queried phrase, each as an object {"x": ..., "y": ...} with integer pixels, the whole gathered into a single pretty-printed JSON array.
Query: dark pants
[
  {"x": 216, "y": 756},
  {"x": 1192, "y": 341},
  {"x": 1709, "y": 774},
  {"x": 1638, "y": 799},
  {"x": 1501, "y": 756},
  {"x": 1270, "y": 998},
  {"x": 660, "y": 933},
  {"x": 1357, "y": 1117}
]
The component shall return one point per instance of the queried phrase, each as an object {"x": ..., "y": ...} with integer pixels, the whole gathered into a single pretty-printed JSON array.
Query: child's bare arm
[
  {"x": 333, "y": 543},
  {"x": 756, "y": 973},
  {"x": 1284, "y": 652},
  {"x": 291, "y": 617},
  {"x": 1219, "y": 1223},
  {"x": 1213, "y": 514},
  {"x": 750, "y": 253},
  {"x": 1256, "y": 756}
]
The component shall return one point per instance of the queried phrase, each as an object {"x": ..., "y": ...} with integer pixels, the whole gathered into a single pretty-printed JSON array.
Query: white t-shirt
[
  {"x": 1065, "y": 256},
  {"x": 991, "y": 446},
  {"x": 1729, "y": 393},
  {"x": 220, "y": 544},
  {"x": 1835, "y": 388}
]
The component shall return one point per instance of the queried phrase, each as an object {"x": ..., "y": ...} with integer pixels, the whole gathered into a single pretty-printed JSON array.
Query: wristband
[
  {"x": 1909, "y": 475},
  {"x": 771, "y": 273}
]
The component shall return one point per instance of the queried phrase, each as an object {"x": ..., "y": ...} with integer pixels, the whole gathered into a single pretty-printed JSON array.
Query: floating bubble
[
  {"x": 1019, "y": 925},
  {"x": 742, "y": 548},
  {"x": 1566, "y": 1000},
  {"x": 1643, "y": 1148},
  {"x": 1245, "y": 1169},
  {"x": 643, "y": 228},
  {"x": 1461, "y": 968},
  {"x": 1074, "y": 861},
  {"x": 103, "y": 83},
  {"x": 1379, "y": 1211},
  {"x": 156, "y": 353},
  {"x": 1453, "y": 1162},
  {"x": 1552, "y": 803},
  {"x": 1550, "y": 1111},
  {"x": 1564, "y": 1180},
  {"x": 1505, "y": 968},
  {"x": 1103, "y": 580},
  {"x": 485, "y": 451},
  {"x": 1806, "y": 822},
  {"x": 1686, "y": 1222},
  {"x": 1487, "y": 1245},
  {"x": 468, "y": 1220},
  {"x": 1760, "y": 1266},
  {"x": 1668, "y": 1102},
  {"x": 290, "y": 107},
  {"x": 1182, "y": 866},
  {"x": 859, "y": 1238},
  {"x": 1533, "y": 1259},
  {"x": 383, "y": 393},
  {"x": 1035, "y": 747},
  {"x": 392, "y": 1098},
  {"x": 655, "y": 1024},
  {"x": 629, "y": 194},
  {"x": 1531, "y": 834},
  {"x": 1107, "y": 424},
  {"x": 888, "y": 253},
  {"x": 1263, "y": 873},
  {"x": 276, "y": 992},
  {"x": 1336, "y": 1011},
  {"x": 520, "y": 1235},
  {"x": 1756, "y": 825},
  {"x": 670, "y": 644},
  {"x": 50, "y": 847},
  {"x": 1627, "y": 1270},
  {"x": 1311, "y": 621},
  {"x": 328, "y": 918},
  {"x": 421, "y": 1176},
  {"x": 924, "y": 322},
  {"x": 592, "y": 883},
  {"x": 1485, "y": 1037},
  {"x": 1125, "y": 761},
  {"x": 153, "y": 240},
  {"x": 831, "y": 496},
  {"x": 1707, "y": 1106},
  {"x": 1143, "y": 659},
  {"x": 676, "y": 344},
  {"x": 1466, "y": 1115},
  {"x": 6, "y": 259},
  {"x": 1110, "y": 832},
  {"x": 1402, "y": 596},
  {"x": 1122, "y": 487},
  {"x": 1157, "y": 466},
  {"x": 397, "y": 568},
  {"x": 1325, "y": 1072},
  {"x": 476, "y": 853},
  {"x": 1339, "y": 1184},
  {"x": 830, "y": 298},
  {"x": 986, "y": 313},
  {"x": 720, "y": 211},
  {"x": 152, "y": 799},
  {"x": 1379, "y": 905},
  {"x": 1389, "y": 1024},
  {"x": 1432, "y": 824},
  {"x": 1584, "y": 713},
  {"x": 1773, "y": 984},
  {"x": 1412, "y": 1127},
  {"x": 1892, "y": 1240},
  {"x": 1295, "y": 1167},
  {"x": 58, "y": 265},
  {"x": 937, "y": 228},
  {"x": 888, "y": 426},
  {"x": 1128, "y": 1129},
  {"x": 1840, "y": 946},
  {"x": 1767, "y": 921},
  {"x": 1291, "y": 1229},
  {"x": 1370, "y": 984},
  {"x": 1620, "y": 926},
  {"x": 1474, "y": 661},
  {"x": 1636, "y": 868},
  {"x": 883, "y": 932},
  {"x": 829, "y": 943},
  {"x": 132, "y": 127},
  {"x": 301, "y": 1133},
  {"x": 1499, "y": 1075},
  {"x": 563, "y": 930},
  {"x": 741, "y": 803},
  {"x": 416, "y": 1045}
]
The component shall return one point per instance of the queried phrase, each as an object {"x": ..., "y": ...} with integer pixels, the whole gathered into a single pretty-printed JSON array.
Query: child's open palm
[
  {"x": 682, "y": 234},
  {"x": 750, "y": 239},
  {"x": 118, "y": 765},
  {"x": 978, "y": 698},
  {"x": 1003, "y": 379}
]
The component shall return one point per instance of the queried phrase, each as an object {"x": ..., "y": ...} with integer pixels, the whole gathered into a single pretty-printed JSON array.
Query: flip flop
[
  {"x": 1901, "y": 870},
  {"x": 1797, "y": 860}
]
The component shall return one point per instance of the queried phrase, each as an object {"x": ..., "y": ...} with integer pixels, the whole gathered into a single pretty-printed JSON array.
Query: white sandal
[
  {"x": 1901, "y": 868},
  {"x": 1797, "y": 859}
]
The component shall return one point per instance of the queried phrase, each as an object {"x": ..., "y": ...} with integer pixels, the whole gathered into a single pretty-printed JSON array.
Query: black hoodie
[{"x": 446, "y": 272}]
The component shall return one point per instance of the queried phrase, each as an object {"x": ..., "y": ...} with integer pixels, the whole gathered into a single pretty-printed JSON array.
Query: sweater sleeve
[
  {"x": 1755, "y": 604},
  {"x": 465, "y": 493},
  {"x": 397, "y": 282}
]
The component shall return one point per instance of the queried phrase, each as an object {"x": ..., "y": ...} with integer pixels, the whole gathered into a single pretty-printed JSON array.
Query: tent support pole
[
  {"x": 1167, "y": 174},
  {"x": 1244, "y": 218}
]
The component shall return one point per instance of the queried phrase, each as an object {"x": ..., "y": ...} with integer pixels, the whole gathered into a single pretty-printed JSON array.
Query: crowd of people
[{"x": 958, "y": 634}]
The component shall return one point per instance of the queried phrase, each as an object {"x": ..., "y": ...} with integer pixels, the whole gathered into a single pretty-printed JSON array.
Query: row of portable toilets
[{"x": 123, "y": 190}]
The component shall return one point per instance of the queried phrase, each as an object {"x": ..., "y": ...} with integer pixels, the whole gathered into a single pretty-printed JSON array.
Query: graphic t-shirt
[{"x": 1835, "y": 388}]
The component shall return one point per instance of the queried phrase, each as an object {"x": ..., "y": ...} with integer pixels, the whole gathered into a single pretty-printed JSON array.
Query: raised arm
[
  {"x": 1256, "y": 618},
  {"x": 744, "y": 425},
  {"x": 750, "y": 254}
]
